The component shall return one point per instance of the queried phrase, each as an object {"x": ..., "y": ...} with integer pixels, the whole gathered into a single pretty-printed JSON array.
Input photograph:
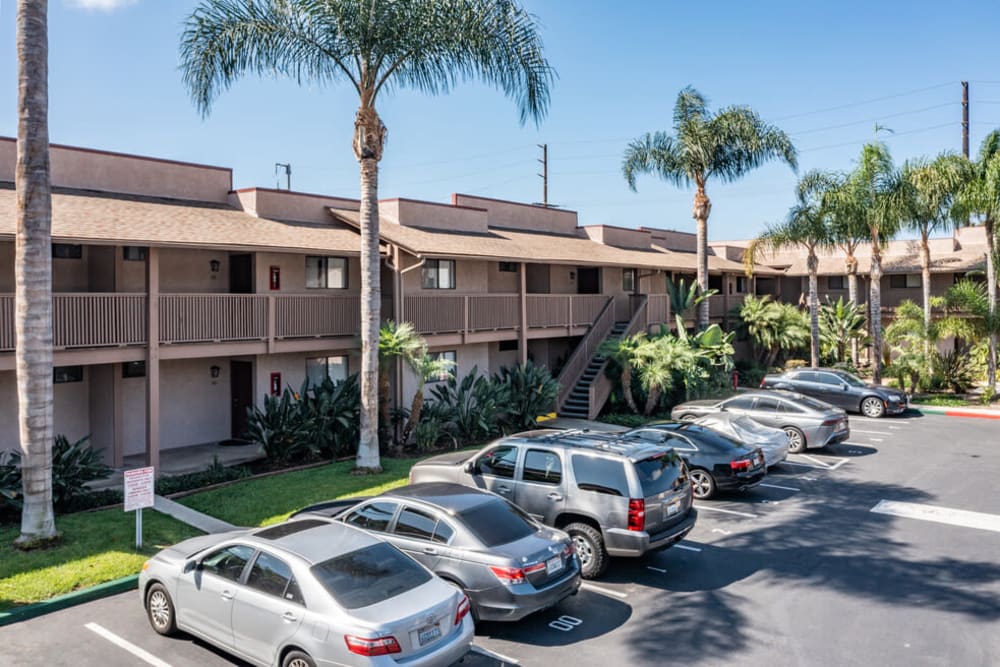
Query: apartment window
[
  {"x": 134, "y": 369},
  {"x": 326, "y": 272},
  {"x": 742, "y": 284},
  {"x": 438, "y": 274},
  {"x": 508, "y": 345},
  {"x": 319, "y": 369},
  {"x": 67, "y": 251},
  {"x": 628, "y": 280},
  {"x": 836, "y": 282},
  {"x": 714, "y": 282},
  {"x": 509, "y": 267},
  {"x": 909, "y": 280},
  {"x": 134, "y": 253},
  {"x": 448, "y": 355},
  {"x": 65, "y": 374}
]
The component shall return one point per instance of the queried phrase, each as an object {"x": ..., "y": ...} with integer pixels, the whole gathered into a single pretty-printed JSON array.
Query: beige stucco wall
[
  {"x": 433, "y": 215},
  {"x": 466, "y": 356},
  {"x": 499, "y": 359},
  {"x": 8, "y": 410},
  {"x": 562, "y": 279},
  {"x": 189, "y": 271},
  {"x": 619, "y": 236},
  {"x": 891, "y": 297},
  {"x": 71, "y": 275},
  {"x": 470, "y": 278},
  {"x": 194, "y": 407},
  {"x": 293, "y": 369},
  {"x": 293, "y": 274},
  {"x": 674, "y": 240},
  {"x": 501, "y": 281},
  {"x": 285, "y": 205},
  {"x": 515, "y": 215},
  {"x": 134, "y": 414}
]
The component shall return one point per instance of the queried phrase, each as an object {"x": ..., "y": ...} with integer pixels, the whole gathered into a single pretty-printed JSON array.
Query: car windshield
[
  {"x": 659, "y": 473},
  {"x": 370, "y": 575},
  {"x": 497, "y": 522},
  {"x": 852, "y": 380}
]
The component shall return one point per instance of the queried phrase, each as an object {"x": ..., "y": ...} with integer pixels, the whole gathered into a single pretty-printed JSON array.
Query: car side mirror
[
  {"x": 845, "y": 386},
  {"x": 191, "y": 566},
  {"x": 470, "y": 467}
]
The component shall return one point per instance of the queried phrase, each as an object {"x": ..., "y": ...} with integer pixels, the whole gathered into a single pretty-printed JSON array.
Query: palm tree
[
  {"x": 657, "y": 361},
  {"x": 623, "y": 352},
  {"x": 33, "y": 276},
  {"x": 774, "y": 327},
  {"x": 980, "y": 198},
  {"x": 725, "y": 145},
  {"x": 376, "y": 45},
  {"x": 848, "y": 231},
  {"x": 426, "y": 367},
  {"x": 683, "y": 299},
  {"x": 395, "y": 341},
  {"x": 840, "y": 323},
  {"x": 805, "y": 227}
]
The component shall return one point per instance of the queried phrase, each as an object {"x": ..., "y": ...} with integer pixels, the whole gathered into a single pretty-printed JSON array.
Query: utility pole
[
  {"x": 965, "y": 118},
  {"x": 545, "y": 174},
  {"x": 287, "y": 166}
]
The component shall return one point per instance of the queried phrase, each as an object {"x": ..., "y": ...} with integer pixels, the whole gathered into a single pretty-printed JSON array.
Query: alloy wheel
[
  {"x": 796, "y": 442},
  {"x": 872, "y": 407},
  {"x": 701, "y": 484},
  {"x": 298, "y": 662},
  {"x": 584, "y": 550},
  {"x": 159, "y": 609}
]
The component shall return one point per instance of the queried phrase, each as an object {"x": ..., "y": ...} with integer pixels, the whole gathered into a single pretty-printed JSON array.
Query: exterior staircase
[{"x": 577, "y": 404}]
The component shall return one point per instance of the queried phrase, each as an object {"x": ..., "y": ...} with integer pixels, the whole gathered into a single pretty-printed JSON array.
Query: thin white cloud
[{"x": 101, "y": 5}]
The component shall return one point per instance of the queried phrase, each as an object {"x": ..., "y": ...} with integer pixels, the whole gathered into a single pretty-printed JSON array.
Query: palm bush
[
  {"x": 774, "y": 328},
  {"x": 841, "y": 323},
  {"x": 432, "y": 427},
  {"x": 958, "y": 370},
  {"x": 532, "y": 391},
  {"x": 911, "y": 344},
  {"x": 281, "y": 428},
  {"x": 426, "y": 367},
  {"x": 475, "y": 405}
]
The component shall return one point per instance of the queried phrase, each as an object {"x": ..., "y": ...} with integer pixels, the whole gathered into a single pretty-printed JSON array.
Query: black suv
[
  {"x": 614, "y": 497},
  {"x": 841, "y": 389}
]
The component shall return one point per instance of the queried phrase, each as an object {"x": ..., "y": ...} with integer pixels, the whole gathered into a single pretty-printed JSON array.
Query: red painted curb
[{"x": 979, "y": 415}]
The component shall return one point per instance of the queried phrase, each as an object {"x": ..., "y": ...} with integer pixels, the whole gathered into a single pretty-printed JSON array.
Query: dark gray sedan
[
  {"x": 806, "y": 421},
  {"x": 841, "y": 389},
  {"x": 509, "y": 565}
]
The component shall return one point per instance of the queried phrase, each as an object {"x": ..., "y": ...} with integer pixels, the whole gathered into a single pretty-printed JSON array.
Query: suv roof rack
[{"x": 594, "y": 440}]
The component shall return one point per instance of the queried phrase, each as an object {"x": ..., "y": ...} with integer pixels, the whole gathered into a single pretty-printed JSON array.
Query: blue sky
[{"x": 813, "y": 68}]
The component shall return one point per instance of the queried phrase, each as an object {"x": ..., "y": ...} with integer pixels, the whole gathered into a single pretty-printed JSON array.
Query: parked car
[
  {"x": 613, "y": 497},
  {"x": 806, "y": 421},
  {"x": 715, "y": 461},
  {"x": 772, "y": 441},
  {"x": 306, "y": 593},
  {"x": 508, "y": 564},
  {"x": 841, "y": 389}
]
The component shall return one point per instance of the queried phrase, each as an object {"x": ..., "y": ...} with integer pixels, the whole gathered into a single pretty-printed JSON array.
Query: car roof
[
  {"x": 601, "y": 442},
  {"x": 454, "y": 498},
  {"x": 313, "y": 540}
]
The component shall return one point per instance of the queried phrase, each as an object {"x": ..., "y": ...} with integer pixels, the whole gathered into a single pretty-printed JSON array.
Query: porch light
[
  {"x": 215, "y": 370},
  {"x": 216, "y": 265}
]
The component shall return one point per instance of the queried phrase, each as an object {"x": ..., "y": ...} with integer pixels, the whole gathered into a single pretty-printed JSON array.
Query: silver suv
[{"x": 614, "y": 497}]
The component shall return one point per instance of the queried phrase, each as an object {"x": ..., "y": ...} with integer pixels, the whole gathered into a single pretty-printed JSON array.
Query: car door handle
[
  {"x": 430, "y": 550},
  {"x": 503, "y": 489},
  {"x": 227, "y": 595},
  {"x": 289, "y": 616},
  {"x": 554, "y": 496}
]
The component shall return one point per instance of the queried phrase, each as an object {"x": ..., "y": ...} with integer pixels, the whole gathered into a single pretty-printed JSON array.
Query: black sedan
[
  {"x": 715, "y": 461},
  {"x": 841, "y": 389},
  {"x": 508, "y": 564}
]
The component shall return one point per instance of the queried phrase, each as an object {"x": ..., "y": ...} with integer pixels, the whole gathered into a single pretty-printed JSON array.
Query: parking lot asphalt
[{"x": 797, "y": 571}]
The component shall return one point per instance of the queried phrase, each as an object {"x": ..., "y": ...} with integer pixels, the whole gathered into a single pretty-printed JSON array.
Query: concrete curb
[
  {"x": 106, "y": 589},
  {"x": 956, "y": 412}
]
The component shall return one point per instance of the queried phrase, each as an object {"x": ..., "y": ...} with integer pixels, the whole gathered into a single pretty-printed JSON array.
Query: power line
[
  {"x": 892, "y": 136},
  {"x": 864, "y": 102},
  {"x": 871, "y": 120}
]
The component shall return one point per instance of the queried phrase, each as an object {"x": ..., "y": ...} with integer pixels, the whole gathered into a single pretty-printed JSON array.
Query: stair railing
[
  {"x": 600, "y": 388},
  {"x": 585, "y": 350}
]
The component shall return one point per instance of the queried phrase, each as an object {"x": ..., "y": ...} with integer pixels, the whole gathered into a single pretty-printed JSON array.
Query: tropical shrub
[
  {"x": 910, "y": 342},
  {"x": 430, "y": 430},
  {"x": 10, "y": 480},
  {"x": 840, "y": 323},
  {"x": 426, "y": 367},
  {"x": 215, "y": 473},
  {"x": 795, "y": 363},
  {"x": 958, "y": 370},
  {"x": 475, "y": 405},
  {"x": 281, "y": 428},
  {"x": 532, "y": 392},
  {"x": 331, "y": 412},
  {"x": 774, "y": 328},
  {"x": 73, "y": 466}
]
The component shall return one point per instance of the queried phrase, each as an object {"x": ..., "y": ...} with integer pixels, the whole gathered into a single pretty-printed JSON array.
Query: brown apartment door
[
  {"x": 588, "y": 280},
  {"x": 241, "y": 392},
  {"x": 241, "y": 274}
]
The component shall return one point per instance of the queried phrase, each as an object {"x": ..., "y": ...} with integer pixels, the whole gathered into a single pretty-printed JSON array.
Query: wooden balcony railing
[
  {"x": 98, "y": 320},
  {"x": 206, "y": 318},
  {"x": 307, "y": 315},
  {"x": 6, "y": 321},
  {"x": 658, "y": 309}
]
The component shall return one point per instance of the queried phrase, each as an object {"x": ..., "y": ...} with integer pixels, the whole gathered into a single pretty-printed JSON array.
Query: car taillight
[
  {"x": 762, "y": 383},
  {"x": 636, "y": 514},
  {"x": 743, "y": 464},
  {"x": 515, "y": 575},
  {"x": 569, "y": 550},
  {"x": 463, "y": 609},
  {"x": 832, "y": 422},
  {"x": 372, "y": 647}
]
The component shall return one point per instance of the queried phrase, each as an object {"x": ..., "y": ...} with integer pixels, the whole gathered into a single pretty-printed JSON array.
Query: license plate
[
  {"x": 553, "y": 565},
  {"x": 427, "y": 635},
  {"x": 673, "y": 508}
]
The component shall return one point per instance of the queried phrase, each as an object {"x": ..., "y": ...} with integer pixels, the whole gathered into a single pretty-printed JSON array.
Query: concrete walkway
[{"x": 202, "y": 522}]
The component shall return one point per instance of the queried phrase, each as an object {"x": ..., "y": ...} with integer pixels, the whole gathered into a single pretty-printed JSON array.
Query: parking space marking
[
  {"x": 493, "y": 654},
  {"x": 814, "y": 460},
  {"x": 127, "y": 645},
  {"x": 814, "y": 466},
  {"x": 936, "y": 513},
  {"x": 783, "y": 488},
  {"x": 656, "y": 569},
  {"x": 724, "y": 511},
  {"x": 687, "y": 548},
  {"x": 858, "y": 430},
  {"x": 587, "y": 586}
]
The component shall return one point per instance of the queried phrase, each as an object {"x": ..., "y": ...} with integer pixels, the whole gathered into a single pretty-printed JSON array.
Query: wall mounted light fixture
[
  {"x": 215, "y": 265},
  {"x": 572, "y": 275},
  {"x": 215, "y": 370}
]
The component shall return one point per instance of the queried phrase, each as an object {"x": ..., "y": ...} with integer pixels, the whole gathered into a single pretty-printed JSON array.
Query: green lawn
[
  {"x": 97, "y": 547},
  {"x": 261, "y": 502}
]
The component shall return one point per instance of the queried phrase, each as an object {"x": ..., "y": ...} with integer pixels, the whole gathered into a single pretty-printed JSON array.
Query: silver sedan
[
  {"x": 306, "y": 593},
  {"x": 806, "y": 421},
  {"x": 772, "y": 441}
]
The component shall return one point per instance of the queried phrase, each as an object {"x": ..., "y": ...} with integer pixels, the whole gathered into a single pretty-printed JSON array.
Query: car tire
[
  {"x": 703, "y": 484},
  {"x": 796, "y": 440},
  {"x": 589, "y": 549},
  {"x": 873, "y": 407},
  {"x": 687, "y": 418},
  {"x": 160, "y": 610},
  {"x": 298, "y": 659}
]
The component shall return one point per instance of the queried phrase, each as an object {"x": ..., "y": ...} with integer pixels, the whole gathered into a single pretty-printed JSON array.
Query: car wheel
[
  {"x": 796, "y": 440},
  {"x": 702, "y": 484},
  {"x": 589, "y": 549},
  {"x": 160, "y": 610},
  {"x": 872, "y": 407},
  {"x": 686, "y": 418},
  {"x": 297, "y": 659}
]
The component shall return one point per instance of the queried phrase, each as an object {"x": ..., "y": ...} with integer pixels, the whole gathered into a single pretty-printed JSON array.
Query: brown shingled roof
[{"x": 92, "y": 217}]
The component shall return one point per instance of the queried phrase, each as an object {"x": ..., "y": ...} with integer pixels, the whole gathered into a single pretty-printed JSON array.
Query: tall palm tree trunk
[
  {"x": 416, "y": 407},
  {"x": 812, "y": 263},
  {"x": 925, "y": 283},
  {"x": 875, "y": 307},
  {"x": 652, "y": 400},
  {"x": 991, "y": 292},
  {"x": 627, "y": 387},
  {"x": 852, "y": 296},
  {"x": 369, "y": 140},
  {"x": 33, "y": 275},
  {"x": 701, "y": 210}
]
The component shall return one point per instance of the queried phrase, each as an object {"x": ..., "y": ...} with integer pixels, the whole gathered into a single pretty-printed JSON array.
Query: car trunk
[
  {"x": 666, "y": 491},
  {"x": 417, "y": 624},
  {"x": 541, "y": 555}
]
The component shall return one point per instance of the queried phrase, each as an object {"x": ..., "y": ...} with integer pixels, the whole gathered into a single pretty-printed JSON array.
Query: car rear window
[
  {"x": 659, "y": 473},
  {"x": 497, "y": 522},
  {"x": 370, "y": 575},
  {"x": 811, "y": 403},
  {"x": 594, "y": 473}
]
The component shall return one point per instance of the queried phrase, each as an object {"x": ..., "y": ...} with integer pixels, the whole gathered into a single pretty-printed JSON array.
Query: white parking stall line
[
  {"x": 839, "y": 463},
  {"x": 877, "y": 439},
  {"x": 687, "y": 548},
  {"x": 938, "y": 514},
  {"x": 858, "y": 430},
  {"x": 719, "y": 509},
  {"x": 493, "y": 654},
  {"x": 587, "y": 586},
  {"x": 142, "y": 654},
  {"x": 814, "y": 460},
  {"x": 656, "y": 569},
  {"x": 804, "y": 465},
  {"x": 783, "y": 488}
]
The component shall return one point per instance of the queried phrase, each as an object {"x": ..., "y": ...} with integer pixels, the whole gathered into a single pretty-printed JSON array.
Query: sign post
[{"x": 139, "y": 491}]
